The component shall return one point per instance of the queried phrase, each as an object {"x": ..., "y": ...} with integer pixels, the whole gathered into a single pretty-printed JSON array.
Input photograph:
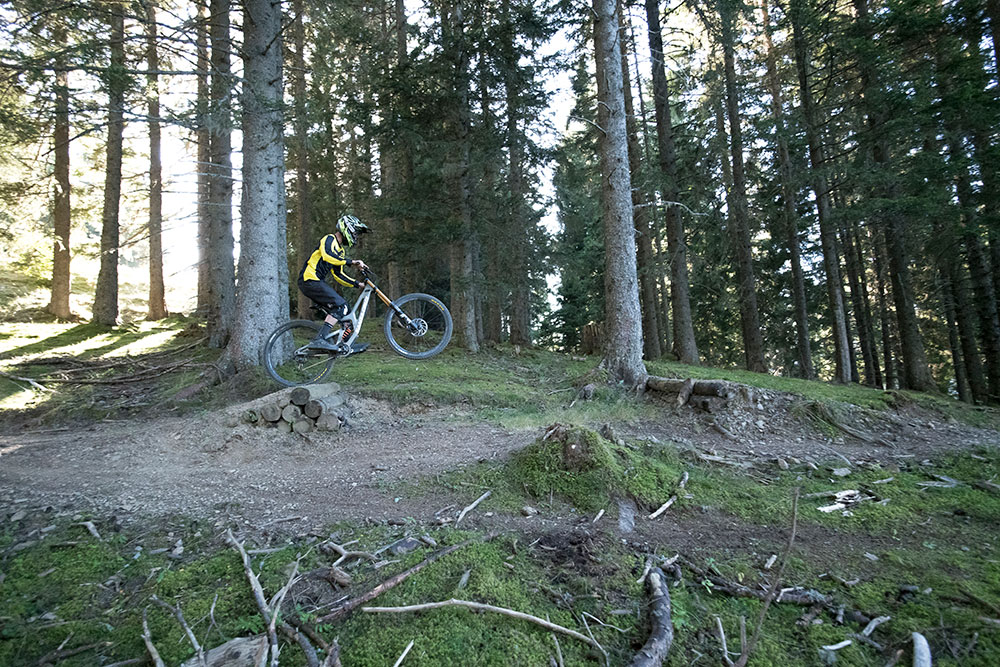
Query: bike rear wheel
[
  {"x": 427, "y": 333},
  {"x": 288, "y": 358}
]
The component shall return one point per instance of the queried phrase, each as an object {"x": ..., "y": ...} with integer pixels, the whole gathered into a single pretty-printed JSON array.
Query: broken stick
[
  {"x": 472, "y": 507},
  {"x": 392, "y": 582},
  {"x": 478, "y": 606}
]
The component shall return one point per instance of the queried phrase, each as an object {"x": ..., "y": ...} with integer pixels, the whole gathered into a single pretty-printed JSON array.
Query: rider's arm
[
  {"x": 343, "y": 278},
  {"x": 335, "y": 255}
]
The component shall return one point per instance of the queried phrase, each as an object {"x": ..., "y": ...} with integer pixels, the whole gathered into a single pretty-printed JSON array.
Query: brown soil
[{"x": 198, "y": 466}]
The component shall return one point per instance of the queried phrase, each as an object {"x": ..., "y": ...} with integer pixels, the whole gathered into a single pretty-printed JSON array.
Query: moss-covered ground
[{"x": 923, "y": 550}]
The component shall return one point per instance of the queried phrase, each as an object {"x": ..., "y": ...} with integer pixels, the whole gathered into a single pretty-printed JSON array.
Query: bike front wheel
[
  {"x": 288, "y": 358},
  {"x": 423, "y": 332}
]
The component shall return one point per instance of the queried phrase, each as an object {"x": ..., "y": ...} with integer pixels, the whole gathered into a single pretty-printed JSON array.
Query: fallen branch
[
  {"x": 664, "y": 507},
  {"x": 179, "y": 615},
  {"x": 147, "y": 374},
  {"x": 31, "y": 382},
  {"x": 472, "y": 507},
  {"x": 60, "y": 654},
  {"x": 796, "y": 596},
  {"x": 392, "y": 582},
  {"x": 147, "y": 639},
  {"x": 268, "y": 612},
  {"x": 655, "y": 650},
  {"x": 344, "y": 553},
  {"x": 478, "y": 606}
]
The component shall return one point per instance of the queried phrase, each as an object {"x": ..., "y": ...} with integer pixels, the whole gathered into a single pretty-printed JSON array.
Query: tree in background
[
  {"x": 157, "y": 308},
  {"x": 116, "y": 80}
]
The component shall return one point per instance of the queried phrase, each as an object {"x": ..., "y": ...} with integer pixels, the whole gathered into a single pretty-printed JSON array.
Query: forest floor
[{"x": 159, "y": 472}]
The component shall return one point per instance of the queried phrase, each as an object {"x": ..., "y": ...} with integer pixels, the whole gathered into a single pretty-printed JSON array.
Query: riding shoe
[{"x": 322, "y": 344}]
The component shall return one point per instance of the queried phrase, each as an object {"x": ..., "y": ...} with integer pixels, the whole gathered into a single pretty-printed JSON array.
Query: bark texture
[
  {"x": 106, "y": 294},
  {"x": 623, "y": 325},
  {"x": 260, "y": 304},
  {"x": 222, "y": 275},
  {"x": 203, "y": 140},
  {"x": 304, "y": 236},
  {"x": 641, "y": 212},
  {"x": 61, "y": 214},
  {"x": 157, "y": 309}
]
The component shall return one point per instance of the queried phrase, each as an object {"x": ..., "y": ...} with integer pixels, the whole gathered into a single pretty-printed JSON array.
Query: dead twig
[
  {"x": 267, "y": 611},
  {"x": 147, "y": 639},
  {"x": 179, "y": 615},
  {"x": 341, "y": 550},
  {"x": 471, "y": 507},
  {"x": 399, "y": 661},
  {"x": 749, "y": 646},
  {"x": 722, "y": 639},
  {"x": 478, "y": 606},
  {"x": 392, "y": 582},
  {"x": 31, "y": 382},
  {"x": 60, "y": 654}
]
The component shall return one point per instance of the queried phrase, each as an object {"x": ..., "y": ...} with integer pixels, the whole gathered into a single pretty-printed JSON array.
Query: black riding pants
[{"x": 323, "y": 295}]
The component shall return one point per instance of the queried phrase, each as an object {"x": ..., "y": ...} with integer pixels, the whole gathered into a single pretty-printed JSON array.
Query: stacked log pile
[
  {"x": 321, "y": 407},
  {"x": 707, "y": 395}
]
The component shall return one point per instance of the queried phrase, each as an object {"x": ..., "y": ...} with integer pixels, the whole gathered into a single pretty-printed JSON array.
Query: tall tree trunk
[
  {"x": 828, "y": 241},
  {"x": 259, "y": 305},
  {"x": 106, "y": 293},
  {"x": 915, "y": 370},
  {"x": 304, "y": 237},
  {"x": 868, "y": 322},
  {"x": 865, "y": 338},
  {"x": 659, "y": 275},
  {"x": 157, "y": 292},
  {"x": 465, "y": 247},
  {"x": 739, "y": 217},
  {"x": 789, "y": 220},
  {"x": 222, "y": 275},
  {"x": 203, "y": 138},
  {"x": 520, "y": 314},
  {"x": 59, "y": 302},
  {"x": 961, "y": 379},
  {"x": 986, "y": 302},
  {"x": 685, "y": 347},
  {"x": 623, "y": 325},
  {"x": 641, "y": 212},
  {"x": 892, "y": 380}
]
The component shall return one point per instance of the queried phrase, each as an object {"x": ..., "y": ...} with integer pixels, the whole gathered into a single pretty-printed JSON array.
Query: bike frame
[{"x": 357, "y": 314}]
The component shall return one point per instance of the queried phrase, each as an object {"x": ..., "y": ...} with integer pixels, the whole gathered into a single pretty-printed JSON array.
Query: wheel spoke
[{"x": 288, "y": 358}]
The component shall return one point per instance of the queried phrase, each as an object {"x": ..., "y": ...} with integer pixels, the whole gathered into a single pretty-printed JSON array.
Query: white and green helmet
[{"x": 351, "y": 228}]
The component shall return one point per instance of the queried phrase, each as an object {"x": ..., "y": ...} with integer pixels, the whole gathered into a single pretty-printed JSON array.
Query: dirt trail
[{"x": 196, "y": 466}]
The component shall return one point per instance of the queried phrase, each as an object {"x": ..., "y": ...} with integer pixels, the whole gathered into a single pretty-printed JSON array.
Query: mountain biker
[{"x": 331, "y": 258}]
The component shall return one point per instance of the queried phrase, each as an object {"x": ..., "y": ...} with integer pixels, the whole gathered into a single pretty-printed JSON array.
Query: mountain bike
[{"x": 417, "y": 326}]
